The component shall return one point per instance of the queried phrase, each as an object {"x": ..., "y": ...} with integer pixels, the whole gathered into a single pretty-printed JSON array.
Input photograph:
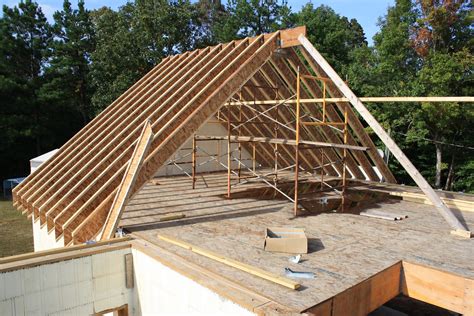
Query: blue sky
[{"x": 366, "y": 12}]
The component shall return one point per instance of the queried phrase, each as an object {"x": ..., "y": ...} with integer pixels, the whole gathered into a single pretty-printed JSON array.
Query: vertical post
[
  {"x": 253, "y": 158},
  {"x": 194, "y": 161},
  {"x": 275, "y": 148},
  {"x": 228, "y": 151},
  {"x": 322, "y": 168},
  {"x": 344, "y": 158},
  {"x": 239, "y": 144},
  {"x": 297, "y": 151},
  {"x": 324, "y": 101}
]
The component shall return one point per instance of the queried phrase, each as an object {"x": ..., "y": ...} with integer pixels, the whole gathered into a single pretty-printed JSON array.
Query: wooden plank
[
  {"x": 128, "y": 181},
  {"x": 120, "y": 140},
  {"x": 368, "y": 100},
  {"x": 163, "y": 115},
  {"x": 363, "y": 297},
  {"x": 387, "y": 140},
  {"x": 289, "y": 37},
  {"x": 439, "y": 288},
  {"x": 233, "y": 263},
  {"x": 129, "y": 280},
  {"x": 280, "y": 141},
  {"x": 61, "y": 254}
]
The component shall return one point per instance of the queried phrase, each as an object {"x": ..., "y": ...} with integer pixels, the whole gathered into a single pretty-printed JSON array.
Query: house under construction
[{"x": 199, "y": 161}]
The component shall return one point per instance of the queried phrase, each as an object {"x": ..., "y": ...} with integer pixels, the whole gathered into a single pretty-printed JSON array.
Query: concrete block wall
[
  {"x": 80, "y": 286},
  {"x": 160, "y": 290}
]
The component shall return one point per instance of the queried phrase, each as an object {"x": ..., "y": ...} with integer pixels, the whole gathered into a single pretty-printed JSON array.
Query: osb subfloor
[{"x": 345, "y": 249}]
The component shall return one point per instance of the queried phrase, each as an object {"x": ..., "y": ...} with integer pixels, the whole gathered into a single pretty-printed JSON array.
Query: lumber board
[
  {"x": 279, "y": 141},
  {"x": 233, "y": 263},
  {"x": 128, "y": 180},
  {"x": 181, "y": 93},
  {"x": 364, "y": 297},
  {"x": 388, "y": 141},
  {"x": 443, "y": 289},
  {"x": 367, "y": 100},
  {"x": 107, "y": 151}
]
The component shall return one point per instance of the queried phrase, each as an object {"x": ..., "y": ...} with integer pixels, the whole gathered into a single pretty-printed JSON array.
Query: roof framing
[{"x": 73, "y": 193}]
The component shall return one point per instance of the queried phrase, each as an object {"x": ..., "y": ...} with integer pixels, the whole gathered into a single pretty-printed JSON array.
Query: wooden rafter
[{"x": 128, "y": 181}]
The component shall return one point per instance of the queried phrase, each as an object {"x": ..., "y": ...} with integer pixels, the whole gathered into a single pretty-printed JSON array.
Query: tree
[
  {"x": 424, "y": 48},
  {"x": 250, "y": 18},
  {"x": 68, "y": 72},
  {"x": 24, "y": 38},
  {"x": 333, "y": 35},
  {"x": 134, "y": 39}
]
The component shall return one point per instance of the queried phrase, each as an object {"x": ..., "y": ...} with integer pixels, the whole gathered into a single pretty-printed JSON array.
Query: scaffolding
[{"x": 231, "y": 117}]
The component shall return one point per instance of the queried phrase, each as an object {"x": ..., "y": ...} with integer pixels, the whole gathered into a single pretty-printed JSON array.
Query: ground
[{"x": 16, "y": 233}]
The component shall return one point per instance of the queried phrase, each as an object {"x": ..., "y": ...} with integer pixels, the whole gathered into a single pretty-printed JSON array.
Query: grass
[{"x": 16, "y": 232}]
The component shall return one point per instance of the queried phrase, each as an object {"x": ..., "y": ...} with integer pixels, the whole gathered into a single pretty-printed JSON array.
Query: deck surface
[{"x": 344, "y": 249}]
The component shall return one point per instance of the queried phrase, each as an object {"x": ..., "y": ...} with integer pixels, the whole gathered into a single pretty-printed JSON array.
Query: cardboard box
[{"x": 285, "y": 239}]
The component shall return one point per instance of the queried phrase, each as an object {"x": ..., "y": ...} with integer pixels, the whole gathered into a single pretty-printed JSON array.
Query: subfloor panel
[{"x": 344, "y": 248}]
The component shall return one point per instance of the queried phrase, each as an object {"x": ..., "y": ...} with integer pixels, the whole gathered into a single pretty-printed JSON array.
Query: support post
[
  {"x": 194, "y": 162},
  {"x": 453, "y": 221},
  {"x": 229, "y": 158},
  {"x": 297, "y": 147}
]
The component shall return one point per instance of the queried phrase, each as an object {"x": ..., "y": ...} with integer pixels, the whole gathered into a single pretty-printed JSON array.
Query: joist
[
  {"x": 127, "y": 182},
  {"x": 453, "y": 221},
  {"x": 280, "y": 141},
  {"x": 233, "y": 263}
]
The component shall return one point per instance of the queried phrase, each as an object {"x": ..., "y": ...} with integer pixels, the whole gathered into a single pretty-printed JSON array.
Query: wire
[{"x": 438, "y": 142}]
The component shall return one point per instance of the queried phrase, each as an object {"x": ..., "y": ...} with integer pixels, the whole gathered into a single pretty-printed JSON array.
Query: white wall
[
  {"x": 43, "y": 240},
  {"x": 79, "y": 286},
  {"x": 160, "y": 290}
]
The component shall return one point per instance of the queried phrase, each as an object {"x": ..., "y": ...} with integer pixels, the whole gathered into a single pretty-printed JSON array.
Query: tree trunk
[
  {"x": 449, "y": 180},
  {"x": 438, "y": 165}
]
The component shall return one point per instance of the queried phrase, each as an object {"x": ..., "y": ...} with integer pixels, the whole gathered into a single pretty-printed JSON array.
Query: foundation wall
[
  {"x": 160, "y": 290},
  {"x": 80, "y": 286}
]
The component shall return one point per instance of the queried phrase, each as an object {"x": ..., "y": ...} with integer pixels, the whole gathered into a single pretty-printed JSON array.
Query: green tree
[
  {"x": 68, "y": 72},
  {"x": 333, "y": 35},
  {"x": 132, "y": 40},
  {"x": 24, "y": 38},
  {"x": 253, "y": 17}
]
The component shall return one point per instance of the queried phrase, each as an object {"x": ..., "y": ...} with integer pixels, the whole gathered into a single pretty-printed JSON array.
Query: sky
[{"x": 366, "y": 12}]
